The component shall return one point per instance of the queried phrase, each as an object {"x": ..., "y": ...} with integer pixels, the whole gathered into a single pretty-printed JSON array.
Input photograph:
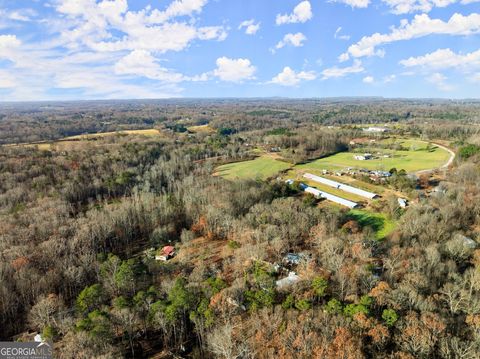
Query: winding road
[{"x": 448, "y": 163}]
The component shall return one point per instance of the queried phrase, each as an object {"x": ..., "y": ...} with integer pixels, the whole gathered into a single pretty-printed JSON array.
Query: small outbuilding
[
  {"x": 403, "y": 203},
  {"x": 166, "y": 253},
  {"x": 287, "y": 281},
  {"x": 364, "y": 157},
  {"x": 295, "y": 258}
]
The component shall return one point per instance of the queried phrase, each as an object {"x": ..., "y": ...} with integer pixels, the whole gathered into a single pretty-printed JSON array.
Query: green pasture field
[
  {"x": 417, "y": 158},
  {"x": 259, "y": 168},
  {"x": 381, "y": 225}
]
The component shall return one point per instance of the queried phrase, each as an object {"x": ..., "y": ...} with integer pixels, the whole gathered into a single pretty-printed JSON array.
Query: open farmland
[
  {"x": 147, "y": 132},
  {"x": 70, "y": 141},
  {"x": 201, "y": 129},
  {"x": 416, "y": 158},
  {"x": 259, "y": 168}
]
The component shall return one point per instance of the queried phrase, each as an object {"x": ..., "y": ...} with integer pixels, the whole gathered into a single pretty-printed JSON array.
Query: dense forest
[
  {"x": 30, "y": 122},
  {"x": 79, "y": 226}
]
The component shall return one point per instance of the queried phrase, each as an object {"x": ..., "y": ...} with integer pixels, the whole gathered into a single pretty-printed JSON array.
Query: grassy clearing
[
  {"x": 417, "y": 158},
  {"x": 201, "y": 129},
  {"x": 259, "y": 168},
  {"x": 381, "y": 225},
  {"x": 75, "y": 140},
  {"x": 147, "y": 132}
]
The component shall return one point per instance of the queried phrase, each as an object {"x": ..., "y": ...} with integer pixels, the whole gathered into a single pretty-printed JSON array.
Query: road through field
[{"x": 448, "y": 163}]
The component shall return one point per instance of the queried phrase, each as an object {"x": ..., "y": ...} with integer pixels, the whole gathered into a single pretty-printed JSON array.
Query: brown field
[
  {"x": 148, "y": 132},
  {"x": 71, "y": 142},
  {"x": 201, "y": 129}
]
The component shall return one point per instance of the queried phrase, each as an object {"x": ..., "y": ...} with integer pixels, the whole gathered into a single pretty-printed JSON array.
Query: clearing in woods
[
  {"x": 201, "y": 129},
  {"x": 260, "y": 168},
  {"x": 379, "y": 222},
  {"x": 412, "y": 156},
  {"x": 147, "y": 132},
  {"x": 72, "y": 140}
]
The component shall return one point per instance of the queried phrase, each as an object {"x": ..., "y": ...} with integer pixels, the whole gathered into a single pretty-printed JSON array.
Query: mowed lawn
[
  {"x": 259, "y": 168},
  {"x": 416, "y": 159},
  {"x": 381, "y": 225}
]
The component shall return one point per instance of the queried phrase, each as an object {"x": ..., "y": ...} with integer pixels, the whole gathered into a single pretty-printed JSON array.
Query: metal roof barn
[
  {"x": 341, "y": 186},
  {"x": 319, "y": 194}
]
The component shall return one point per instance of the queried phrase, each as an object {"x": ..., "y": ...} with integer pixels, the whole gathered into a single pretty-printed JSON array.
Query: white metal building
[
  {"x": 287, "y": 281},
  {"x": 376, "y": 129},
  {"x": 340, "y": 186},
  {"x": 402, "y": 202},
  {"x": 320, "y": 194}
]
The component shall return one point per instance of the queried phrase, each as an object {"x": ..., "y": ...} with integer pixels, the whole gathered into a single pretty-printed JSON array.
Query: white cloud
[
  {"x": 292, "y": 40},
  {"x": 355, "y": 3},
  {"x": 389, "y": 78},
  {"x": 97, "y": 84},
  {"x": 6, "y": 80},
  {"x": 89, "y": 74},
  {"x": 23, "y": 15},
  {"x": 250, "y": 26},
  {"x": 344, "y": 57},
  {"x": 424, "y": 6},
  {"x": 108, "y": 45},
  {"x": 342, "y": 71},
  {"x": 212, "y": 33},
  {"x": 475, "y": 77},
  {"x": 444, "y": 58},
  {"x": 289, "y": 77},
  {"x": 109, "y": 26},
  {"x": 9, "y": 44},
  {"x": 142, "y": 63},
  {"x": 440, "y": 81},
  {"x": 178, "y": 8},
  {"x": 368, "y": 80},
  {"x": 234, "y": 70},
  {"x": 341, "y": 37},
  {"x": 301, "y": 13},
  {"x": 420, "y": 26}
]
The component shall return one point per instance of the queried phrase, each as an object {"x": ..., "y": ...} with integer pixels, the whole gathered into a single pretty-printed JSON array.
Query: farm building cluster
[
  {"x": 339, "y": 187},
  {"x": 369, "y": 156},
  {"x": 328, "y": 196},
  {"x": 374, "y": 175},
  {"x": 364, "y": 157}
]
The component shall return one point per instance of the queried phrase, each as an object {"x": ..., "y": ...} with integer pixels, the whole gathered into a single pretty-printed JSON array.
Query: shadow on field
[{"x": 367, "y": 220}]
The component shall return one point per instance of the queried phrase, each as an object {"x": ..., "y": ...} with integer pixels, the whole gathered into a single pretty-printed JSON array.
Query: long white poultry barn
[
  {"x": 319, "y": 194},
  {"x": 341, "y": 186}
]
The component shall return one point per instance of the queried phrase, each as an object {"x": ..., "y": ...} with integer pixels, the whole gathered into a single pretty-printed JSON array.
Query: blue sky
[{"x": 120, "y": 49}]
